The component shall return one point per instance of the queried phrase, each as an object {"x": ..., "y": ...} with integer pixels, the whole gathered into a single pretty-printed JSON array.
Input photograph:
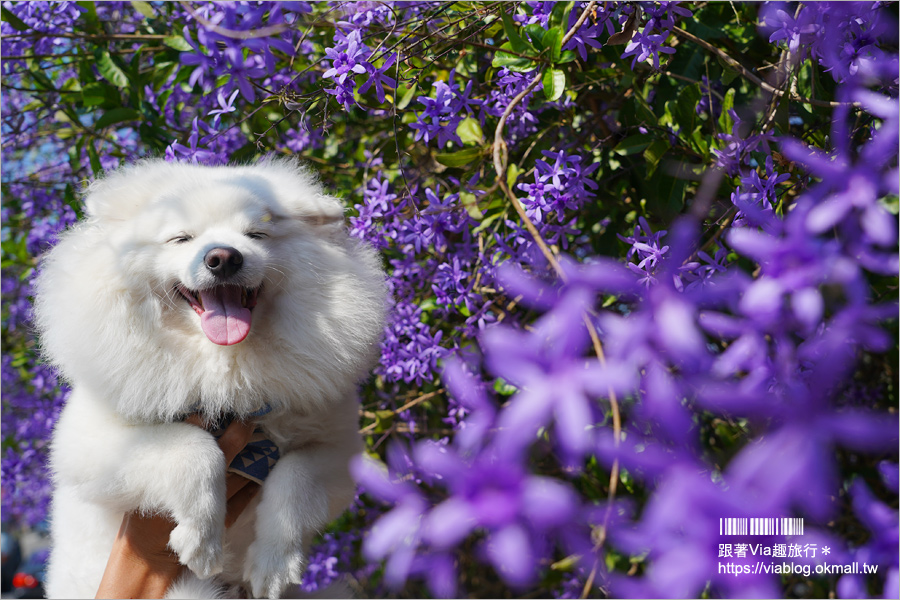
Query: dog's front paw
[
  {"x": 201, "y": 551},
  {"x": 271, "y": 568}
]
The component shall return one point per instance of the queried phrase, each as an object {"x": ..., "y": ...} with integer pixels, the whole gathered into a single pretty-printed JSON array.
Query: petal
[
  {"x": 449, "y": 522},
  {"x": 752, "y": 244},
  {"x": 879, "y": 225},
  {"x": 808, "y": 306},
  {"x": 547, "y": 503},
  {"x": 762, "y": 300},
  {"x": 511, "y": 554},
  {"x": 573, "y": 419},
  {"x": 373, "y": 476},
  {"x": 827, "y": 214},
  {"x": 394, "y": 530}
]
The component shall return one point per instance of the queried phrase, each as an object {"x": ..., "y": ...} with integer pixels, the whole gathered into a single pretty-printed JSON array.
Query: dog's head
[{"x": 213, "y": 281}]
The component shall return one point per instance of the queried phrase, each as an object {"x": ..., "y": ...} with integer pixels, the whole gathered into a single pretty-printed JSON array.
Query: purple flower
[
  {"x": 378, "y": 78},
  {"x": 443, "y": 113},
  {"x": 795, "y": 31},
  {"x": 225, "y": 106},
  {"x": 643, "y": 46},
  {"x": 347, "y": 57}
]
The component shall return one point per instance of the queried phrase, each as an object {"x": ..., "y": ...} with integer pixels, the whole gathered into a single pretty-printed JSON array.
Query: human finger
[
  {"x": 234, "y": 438},
  {"x": 234, "y": 483},
  {"x": 194, "y": 419},
  {"x": 240, "y": 500}
]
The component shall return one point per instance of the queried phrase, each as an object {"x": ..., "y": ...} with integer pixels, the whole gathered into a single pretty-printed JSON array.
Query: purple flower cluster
[
  {"x": 220, "y": 47},
  {"x": 34, "y": 405},
  {"x": 736, "y": 148},
  {"x": 647, "y": 249},
  {"x": 522, "y": 122},
  {"x": 411, "y": 347},
  {"x": 648, "y": 42},
  {"x": 444, "y": 112},
  {"x": 351, "y": 57},
  {"x": 694, "y": 335},
  {"x": 558, "y": 188},
  {"x": 46, "y": 17},
  {"x": 841, "y": 36}
]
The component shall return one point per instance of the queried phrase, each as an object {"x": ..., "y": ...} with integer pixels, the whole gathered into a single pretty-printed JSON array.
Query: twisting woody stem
[{"x": 500, "y": 155}]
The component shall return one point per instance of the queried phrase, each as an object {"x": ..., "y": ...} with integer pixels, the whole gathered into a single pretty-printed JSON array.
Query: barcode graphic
[{"x": 760, "y": 526}]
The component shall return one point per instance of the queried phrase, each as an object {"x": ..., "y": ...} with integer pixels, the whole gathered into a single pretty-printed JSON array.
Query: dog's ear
[
  {"x": 299, "y": 194},
  {"x": 323, "y": 211}
]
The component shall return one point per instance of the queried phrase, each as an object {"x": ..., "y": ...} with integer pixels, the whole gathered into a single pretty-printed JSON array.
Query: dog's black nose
[{"x": 223, "y": 261}]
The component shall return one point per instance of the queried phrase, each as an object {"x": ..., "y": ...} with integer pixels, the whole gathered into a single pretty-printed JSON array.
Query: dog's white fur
[{"x": 134, "y": 352}]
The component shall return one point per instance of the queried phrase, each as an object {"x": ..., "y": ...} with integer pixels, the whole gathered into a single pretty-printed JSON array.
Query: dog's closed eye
[{"x": 180, "y": 238}]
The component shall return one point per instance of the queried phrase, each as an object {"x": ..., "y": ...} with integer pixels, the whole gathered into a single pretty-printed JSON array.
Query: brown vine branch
[
  {"x": 500, "y": 156},
  {"x": 231, "y": 33},
  {"x": 87, "y": 36},
  {"x": 397, "y": 411},
  {"x": 750, "y": 76}
]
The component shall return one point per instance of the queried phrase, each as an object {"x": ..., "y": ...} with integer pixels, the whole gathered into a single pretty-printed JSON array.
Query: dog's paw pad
[
  {"x": 270, "y": 572},
  {"x": 201, "y": 553}
]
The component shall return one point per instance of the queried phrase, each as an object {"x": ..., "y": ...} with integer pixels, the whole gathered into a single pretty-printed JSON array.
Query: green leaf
[
  {"x": 670, "y": 194},
  {"x": 95, "y": 159},
  {"x": 552, "y": 40},
  {"x": 72, "y": 200},
  {"x": 486, "y": 223},
  {"x": 41, "y": 80},
  {"x": 554, "y": 84},
  {"x": 725, "y": 121},
  {"x": 178, "y": 43},
  {"x": 728, "y": 75},
  {"x": 700, "y": 141},
  {"x": 654, "y": 153},
  {"x": 407, "y": 96},
  {"x": 110, "y": 70},
  {"x": 383, "y": 419},
  {"x": 536, "y": 33},
  {"x": 685, "y": 112},
  {"x": 701, "y": 30},
  {"x": 566, "y": 564},
  {"x": 117, "y": 115},
  {"x": 459, "y": 158},
  {"x": 559, "y": 16},
  {"x": 503, "y": 388},
  {"x": 90, "y": 15},
  {"x": 162, "y": 71},
  {"x": 13, "y": 21},
  {"x": 643, "y": 111},
  {"x": 891, "y": 204},
  {"x": 470, "y": 202},
  {"x": 245, "y": 153},
  {"x": 566, "y": 57},
  {"x": 512, "y": 173},
  {"x": 98, "y": 93},
  {"x": 518, "y": 64},
  {"x": 144, "y": 8},
  {"x": 469, "y": 131},
  {"x": 633, "y": 144},
  {"x": 518, "y": 42}
]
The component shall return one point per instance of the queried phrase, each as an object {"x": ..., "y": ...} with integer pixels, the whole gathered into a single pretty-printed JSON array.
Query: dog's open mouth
[{"x": 225, "y": 311}]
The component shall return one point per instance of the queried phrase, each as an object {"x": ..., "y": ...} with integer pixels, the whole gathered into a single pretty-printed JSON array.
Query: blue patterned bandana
[{"x": 259, "y": 455}]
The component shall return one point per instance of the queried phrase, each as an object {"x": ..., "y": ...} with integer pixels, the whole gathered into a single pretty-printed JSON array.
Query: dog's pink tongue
[{"x": 225, "y": 321}]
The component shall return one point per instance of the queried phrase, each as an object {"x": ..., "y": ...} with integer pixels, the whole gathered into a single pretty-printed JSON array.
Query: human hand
[{"x": 141, "y": 565}]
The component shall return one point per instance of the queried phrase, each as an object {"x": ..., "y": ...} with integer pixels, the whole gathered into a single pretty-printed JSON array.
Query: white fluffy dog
[{"x": 220, "y": 290}]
